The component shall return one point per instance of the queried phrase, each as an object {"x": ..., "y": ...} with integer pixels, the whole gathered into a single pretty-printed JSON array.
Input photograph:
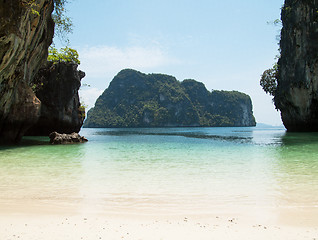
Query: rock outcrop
[
  {"x": 134, "y": 99},
  {"x": 297, "y": 91},
  {"x": 24, "y": 40},
  {"x": 220, "y": 108},
  {"x": 57, "y": 85},
  {"x": 58, "y": 138}
]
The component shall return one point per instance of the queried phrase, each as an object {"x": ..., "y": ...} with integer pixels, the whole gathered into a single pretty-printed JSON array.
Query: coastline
[
  {"x": 163, "y": 186},
  {"x": 51, "y": 222},
  {"x": 63, "y": 226}
]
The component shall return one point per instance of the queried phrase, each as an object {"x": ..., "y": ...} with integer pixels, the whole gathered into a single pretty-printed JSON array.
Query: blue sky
[{"x": 224, "y": 44}]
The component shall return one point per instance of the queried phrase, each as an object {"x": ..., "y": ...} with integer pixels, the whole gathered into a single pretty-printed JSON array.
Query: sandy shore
[
  {"x": 36, "y": 220},
  {"x": 60, "y": 227}
]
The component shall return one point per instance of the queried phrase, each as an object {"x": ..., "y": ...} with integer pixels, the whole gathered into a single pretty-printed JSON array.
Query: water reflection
[
  {"x": 218, "y": 134},
  {"x": 289, "y": 139},
  {"x": 26, "y": 142},
  {"x": 38, "y": 176},
  {"x": 295, "y": 169}
]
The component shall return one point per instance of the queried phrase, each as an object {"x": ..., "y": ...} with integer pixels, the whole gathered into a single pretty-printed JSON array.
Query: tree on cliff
[
  {"x": 269, "y": 80},
  {"x": 65, "y": 55},
  {"x": 63, "y": 24}
]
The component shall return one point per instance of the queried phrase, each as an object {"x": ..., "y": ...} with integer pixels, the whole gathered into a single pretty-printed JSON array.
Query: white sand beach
[{"x": 61, "y": 227}]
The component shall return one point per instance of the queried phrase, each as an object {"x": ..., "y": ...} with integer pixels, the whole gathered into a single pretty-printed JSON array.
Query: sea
[{"x": 261, "y": 171}]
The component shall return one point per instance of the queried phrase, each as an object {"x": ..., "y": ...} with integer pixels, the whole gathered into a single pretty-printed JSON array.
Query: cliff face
[
  {"x": 297, "y": 91},
  {"x": 24, "y": 41},
  {"x": 134, "y": 99},
  {"x": 56, "y": 86},
  {"x": 220, "y": 108}
]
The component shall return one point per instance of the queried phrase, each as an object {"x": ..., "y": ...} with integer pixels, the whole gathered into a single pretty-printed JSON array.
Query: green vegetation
[
  {"x": 63, "y": 24},
  {"x": 134, "y": 99},
  {"x": 32, "y": 6},
  {"x": 81, "y": 110},
  {"x": 64, "y": 55},
  {"x": 63, "y": 27},
  {"x": 269, "y": 80}
]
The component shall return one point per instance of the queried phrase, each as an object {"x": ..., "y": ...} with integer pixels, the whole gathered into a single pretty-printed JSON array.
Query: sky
[{"x": 224, "y": 44}]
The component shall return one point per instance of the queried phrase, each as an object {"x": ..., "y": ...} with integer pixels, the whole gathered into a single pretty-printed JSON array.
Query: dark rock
[
  {"x": 57, "y": 87},
  {"x": 58, "y": 138},
  {"x": 24, "y": 41},
  {"x": 297, "y": 91},
  {"x": 134, "y": 99}
]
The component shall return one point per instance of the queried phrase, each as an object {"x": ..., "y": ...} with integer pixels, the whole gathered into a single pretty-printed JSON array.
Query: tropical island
[
  {"x": 156, "y": 183},
  {"x": 135, "y": 99}
]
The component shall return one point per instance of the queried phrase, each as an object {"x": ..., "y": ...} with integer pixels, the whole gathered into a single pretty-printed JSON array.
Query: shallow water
[{"x": 163, "y": 171}]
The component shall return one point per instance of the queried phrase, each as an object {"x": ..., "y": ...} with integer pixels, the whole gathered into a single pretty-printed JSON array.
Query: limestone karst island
[
  {"x": 135, "y": 99},
  {"x": 150, "y": 120}
]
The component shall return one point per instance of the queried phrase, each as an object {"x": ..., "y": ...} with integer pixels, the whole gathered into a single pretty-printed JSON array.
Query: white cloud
[
  {"x": 102, "y": 63},
  {"x": 89, "y": 95},
  {"x": 99, "y": 62}
]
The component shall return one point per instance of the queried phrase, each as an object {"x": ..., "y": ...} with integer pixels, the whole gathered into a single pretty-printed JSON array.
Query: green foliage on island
[
  {"x": 134, "y": 99},
  {"x": 31, "y": 4},
  {"x": 64, "y": 55},
  {"x": 63, "y": 23},
  {"x": 269, "y": 80}
]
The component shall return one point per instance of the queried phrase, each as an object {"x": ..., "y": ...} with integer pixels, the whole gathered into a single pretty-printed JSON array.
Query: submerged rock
[
  {"x": 24, "y": 40},
  {"x": 297, "y": 91},
  {"x": 58, "y": 138},
  {"x": 57, "y": 85}
]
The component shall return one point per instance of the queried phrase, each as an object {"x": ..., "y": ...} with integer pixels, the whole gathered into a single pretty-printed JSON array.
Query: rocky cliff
[
  {"x": 297, "y": 91},
  {"x": 56, "y": 86},
  {"x": 134, "y": 99},
  {"x": 24, "y": 40},
  {"x": 220, "y": 108}
]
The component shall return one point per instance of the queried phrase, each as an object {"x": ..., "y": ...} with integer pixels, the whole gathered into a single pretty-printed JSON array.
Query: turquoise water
[{"x": 172, "y": 170}]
